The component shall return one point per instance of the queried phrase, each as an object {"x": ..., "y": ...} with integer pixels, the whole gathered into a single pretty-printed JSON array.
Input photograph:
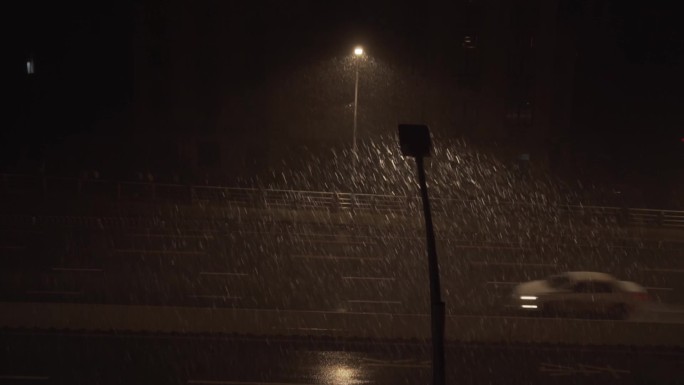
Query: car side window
[
  {"x": 602, "y": 287},
  {"x": 593, "y": 287},
  {"x": 581, "y": 287},
  {"x": 558, "y": 281}
]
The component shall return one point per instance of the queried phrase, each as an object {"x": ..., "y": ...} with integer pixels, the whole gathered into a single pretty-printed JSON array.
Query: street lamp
[
  {"x": 358, "y": 52},
  {"x": 414, "y": 141}
]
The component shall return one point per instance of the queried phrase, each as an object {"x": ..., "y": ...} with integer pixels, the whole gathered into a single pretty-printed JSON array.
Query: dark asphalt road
[{"x": 148, "y": 359}]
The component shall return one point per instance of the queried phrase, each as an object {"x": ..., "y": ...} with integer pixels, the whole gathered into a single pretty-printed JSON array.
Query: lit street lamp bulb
[{"x": 358, "y": 51}]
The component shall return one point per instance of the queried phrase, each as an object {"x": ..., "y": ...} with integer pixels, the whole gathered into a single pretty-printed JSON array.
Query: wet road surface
[{"x": 52, "y": 358}]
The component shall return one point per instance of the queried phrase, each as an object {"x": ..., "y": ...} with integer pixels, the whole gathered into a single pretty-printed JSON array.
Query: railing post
[
  {"x": 586, "y": 216},
  {"x": 624, "y": 216},
  {"x": 296, "y": 197},
  {"x": 335, "y": 202},
  {"x": 263, "y": 199}
]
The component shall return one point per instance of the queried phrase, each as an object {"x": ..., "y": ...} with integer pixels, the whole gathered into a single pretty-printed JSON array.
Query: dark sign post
[{"x": 414, "y": 140}]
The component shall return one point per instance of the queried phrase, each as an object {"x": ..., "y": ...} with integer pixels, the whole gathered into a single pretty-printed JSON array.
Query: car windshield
[{"x": 558, "y": 281}]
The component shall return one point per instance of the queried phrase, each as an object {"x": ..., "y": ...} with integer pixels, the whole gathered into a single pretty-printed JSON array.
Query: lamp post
[
  {"x": 414, "y": 141},
  {"x": 358, "y": 52}
]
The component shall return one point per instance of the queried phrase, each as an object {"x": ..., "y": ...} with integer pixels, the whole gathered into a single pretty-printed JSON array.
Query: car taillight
[{"x": 641, "y": 296}]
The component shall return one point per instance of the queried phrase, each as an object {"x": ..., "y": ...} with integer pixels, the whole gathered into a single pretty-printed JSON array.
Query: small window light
[{"x": 30, "y": 67}]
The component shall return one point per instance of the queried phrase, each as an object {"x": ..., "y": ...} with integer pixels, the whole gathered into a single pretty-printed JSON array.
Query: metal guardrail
[{"x": 32, "y": 188}]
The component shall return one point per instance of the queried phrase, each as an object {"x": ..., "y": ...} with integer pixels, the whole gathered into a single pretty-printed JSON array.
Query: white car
[{"x": 580, "y": 293}]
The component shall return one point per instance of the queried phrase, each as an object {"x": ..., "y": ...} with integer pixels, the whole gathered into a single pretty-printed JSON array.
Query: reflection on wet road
[{"x": 127, "y": 359}]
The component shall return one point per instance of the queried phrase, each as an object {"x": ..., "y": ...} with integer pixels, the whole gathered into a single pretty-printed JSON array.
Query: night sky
[
  {"x": 629, "y": 89},
  {"x": 628, "y": 83}
]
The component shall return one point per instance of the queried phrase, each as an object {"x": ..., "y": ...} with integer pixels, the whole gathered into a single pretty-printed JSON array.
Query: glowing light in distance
[
  {"x": 528, "y": 297},
  {"x": 529, "y": 306},
  {"x": 358, "y": 51}
]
